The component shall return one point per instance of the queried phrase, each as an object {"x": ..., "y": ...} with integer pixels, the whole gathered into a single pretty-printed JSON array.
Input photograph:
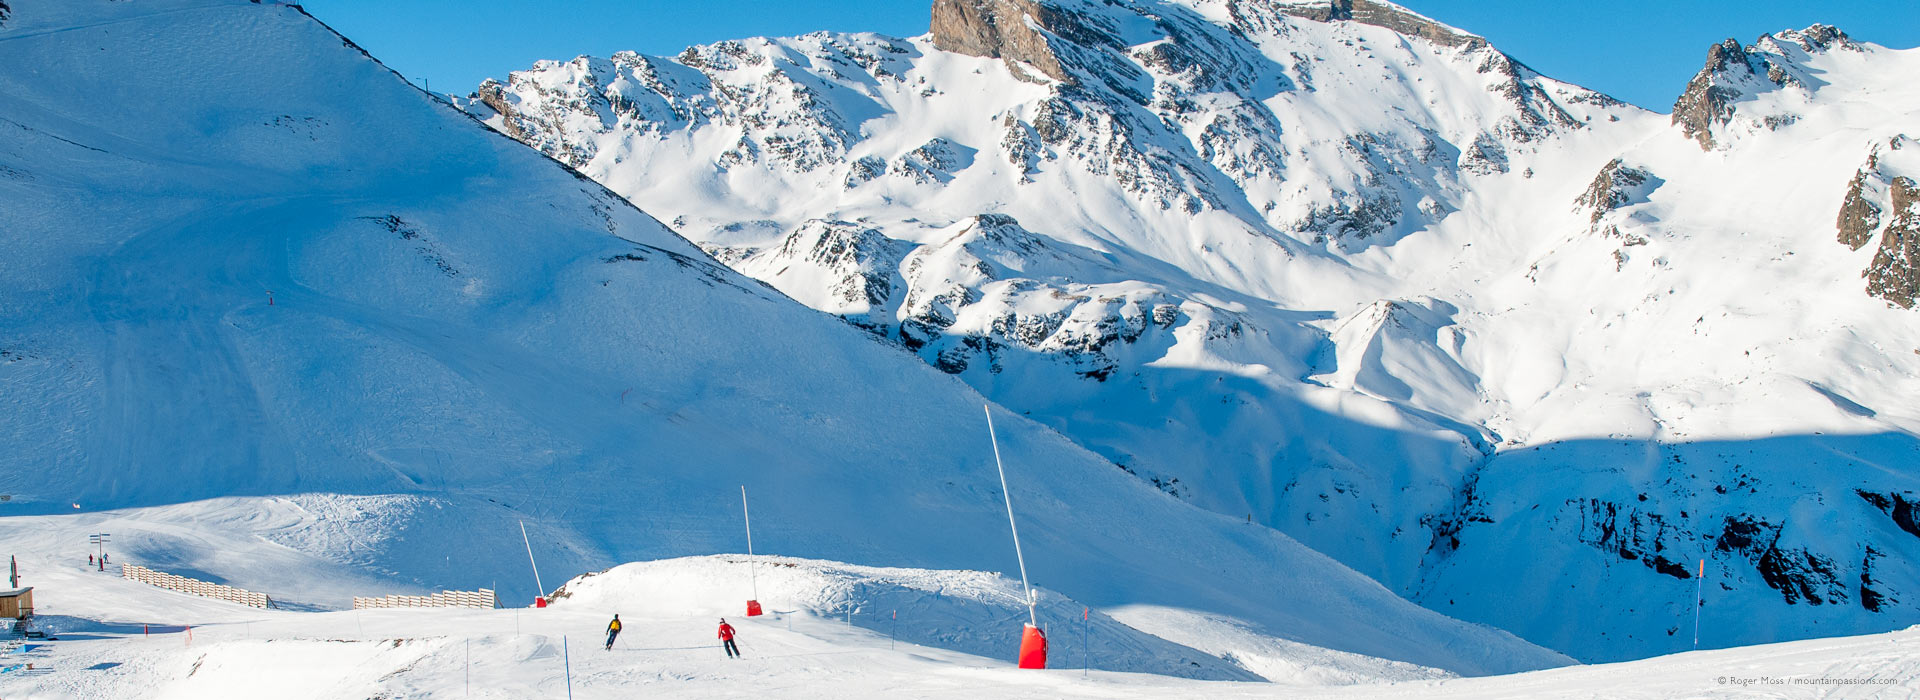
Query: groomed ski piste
[{"x": 120, "y": 639}]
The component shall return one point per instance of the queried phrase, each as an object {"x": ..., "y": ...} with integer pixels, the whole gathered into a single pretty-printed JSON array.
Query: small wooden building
[{"x": 16, "y": 604}]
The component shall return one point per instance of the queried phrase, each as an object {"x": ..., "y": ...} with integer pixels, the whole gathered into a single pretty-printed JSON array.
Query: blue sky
[{"x": 1642, "y": 51}]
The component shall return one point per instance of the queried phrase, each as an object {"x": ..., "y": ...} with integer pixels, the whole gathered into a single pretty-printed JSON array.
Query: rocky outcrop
[
  {"x": 1894, "y": 274},
  {"x": 492, "y": 94},
  {"x": 1902, "y": 508},
  {"x": 1631, "y": 535},
  {"x": 1883, "y": 201},
  {"x": 1617, "y": 185},
  {"x": 1004, "y": 29},
  {"x": 1873, "y": 594},
  {"x": 862, "y": 257},
  {"x": 1706, "y": 103},
  {"x": 1177, "y": 113},
  {"x": 4, "y": 12},
  {"x": 1801, "y": 576},
  {"x": 933, "y": 162},
  {"x": 1733, "y": 71},
  {"x": 1859, "y": 214},
  {"x": 1379, "y": 14}
]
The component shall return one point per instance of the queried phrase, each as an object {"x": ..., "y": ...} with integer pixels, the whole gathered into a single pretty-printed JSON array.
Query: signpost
[{"x": 99, "y": 541}]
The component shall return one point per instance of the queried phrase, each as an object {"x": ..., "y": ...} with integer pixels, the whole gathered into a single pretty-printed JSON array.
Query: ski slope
[
  {"x": 296, "y": 326},
  {"x": 133, "y": 641}
]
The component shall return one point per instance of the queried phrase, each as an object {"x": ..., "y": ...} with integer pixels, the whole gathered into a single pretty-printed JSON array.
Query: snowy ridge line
[
  {"x": 483, "y": 598},
  {"x": 570, "y": 170},
  {"x": 191, "y": 586}
]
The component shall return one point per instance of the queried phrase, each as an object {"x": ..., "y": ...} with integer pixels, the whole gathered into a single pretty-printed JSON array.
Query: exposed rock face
[
  {"x": 1706, "y": 103},
  {"x": 1903, "y": 508},
  {"x": 1801, "y": 576},
  {"x": 1859, "y": 214},
  {"x": 1895, "y": 272},
  {"x": 1884, "y": 200},
  {"x": 989, "y": 287},
  {"x": 779, "y": 121},
  {"x": 1733, "y": 72},
  {"x": 4, "y": 12},
  {"x": 1616, "y": 186},
  {"x": 1377, "y": 14},
  {"x": 933, "y": 162},
  {"x": 1872, "y": 596},
  {"x": 492, "y": 94},
  {"x": 999, "y": 29},
  {"x": 1631, "y": 534},
  {"x": 1178, "y": 113}
]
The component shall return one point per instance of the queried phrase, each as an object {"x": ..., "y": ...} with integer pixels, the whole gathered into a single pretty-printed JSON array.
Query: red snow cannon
[
  {"x": 540, "y": 601},
  {"x": 1033, "y": 648},
  {"x": 753, "y": 608}
]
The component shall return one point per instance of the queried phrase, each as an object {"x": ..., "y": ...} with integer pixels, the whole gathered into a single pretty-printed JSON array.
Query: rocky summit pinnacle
[
  {"x": 1733, "y": 71},
  {"x": 1016, "y": 30},
  {"x": 998, "y": 29},
  {"x": 1379, "y": 14}
]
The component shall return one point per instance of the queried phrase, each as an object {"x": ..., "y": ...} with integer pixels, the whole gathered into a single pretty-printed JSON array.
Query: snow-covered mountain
[
  {"x": 272, "y": 317},
  {"x": 1515, "y": 349}
]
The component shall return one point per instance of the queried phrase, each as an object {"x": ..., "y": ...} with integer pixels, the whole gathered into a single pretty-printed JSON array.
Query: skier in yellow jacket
[{"x": 613, "y": 630}]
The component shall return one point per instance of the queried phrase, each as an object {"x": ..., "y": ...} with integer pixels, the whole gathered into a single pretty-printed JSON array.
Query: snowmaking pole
[
  {"x": 753, "y": 604},
  {"x": 1699, "y": 584},
  {"x": 541, "y": 599},
  {"x": 1033, "y": 643}
]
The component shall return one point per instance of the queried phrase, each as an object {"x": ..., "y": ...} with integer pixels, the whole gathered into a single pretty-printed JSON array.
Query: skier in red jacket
[{"x": 726, "y": 639}]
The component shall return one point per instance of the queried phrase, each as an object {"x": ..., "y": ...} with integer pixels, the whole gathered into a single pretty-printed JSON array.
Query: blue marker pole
[{"x": 568, "y": 660}]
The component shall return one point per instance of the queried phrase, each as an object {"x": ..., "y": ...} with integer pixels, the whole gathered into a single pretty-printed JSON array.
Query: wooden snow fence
[
  {"x": 197, "y": 587},
  {"x": 482, "y": 598}
]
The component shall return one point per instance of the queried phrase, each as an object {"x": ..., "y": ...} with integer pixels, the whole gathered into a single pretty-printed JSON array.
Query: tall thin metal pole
[
  {"x": 1699, "y": 584},
  {"x": 536, "y": 565},
  {"x": 748, "y": 519},
  {"x": 568, "y": 660},
  {"x": 1022, "y": 558}
]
